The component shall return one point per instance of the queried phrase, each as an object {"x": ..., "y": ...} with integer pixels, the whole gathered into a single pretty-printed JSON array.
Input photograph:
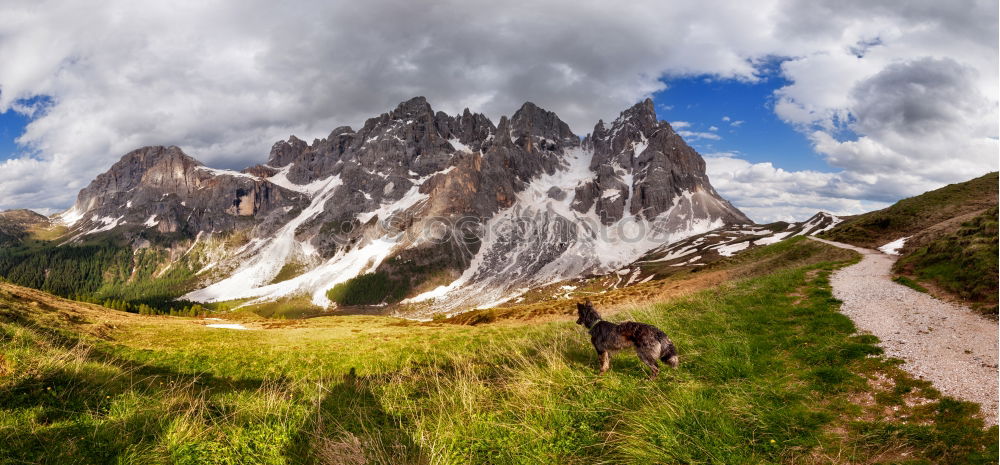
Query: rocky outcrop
[{"x": 161, "y": 189}]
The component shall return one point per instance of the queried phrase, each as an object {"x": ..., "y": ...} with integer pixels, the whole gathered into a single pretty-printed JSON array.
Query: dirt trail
[{"x": 944, "y": 343}]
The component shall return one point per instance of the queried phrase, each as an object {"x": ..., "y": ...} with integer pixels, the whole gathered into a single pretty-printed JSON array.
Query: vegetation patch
[
  {"x": 289, "y": 308},
  {"x": 963, "y": 263},
  {"x": 910, "y": 283},
  {"x": 288, "y": 271},
  {"x": 103, "y": 272},
  {"x": 368, "y": 289}
]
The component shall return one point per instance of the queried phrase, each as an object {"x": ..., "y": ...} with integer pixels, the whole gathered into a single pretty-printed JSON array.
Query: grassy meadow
[{"x": 770, "y": 373}]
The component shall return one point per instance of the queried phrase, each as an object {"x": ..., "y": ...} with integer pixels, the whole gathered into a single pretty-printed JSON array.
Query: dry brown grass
[
  {"x": 89, "y": 316},
  {"x": 344, "y": 450}
]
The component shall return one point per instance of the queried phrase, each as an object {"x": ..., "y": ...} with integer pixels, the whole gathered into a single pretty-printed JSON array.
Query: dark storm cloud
[{"x": 917, "y": 97}]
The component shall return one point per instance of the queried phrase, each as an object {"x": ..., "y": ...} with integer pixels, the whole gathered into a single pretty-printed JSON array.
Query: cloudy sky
[{"x": 797, "y": 106}]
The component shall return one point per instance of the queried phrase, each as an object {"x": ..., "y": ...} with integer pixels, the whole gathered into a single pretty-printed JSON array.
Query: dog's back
[{"x": 649, "y": 338}]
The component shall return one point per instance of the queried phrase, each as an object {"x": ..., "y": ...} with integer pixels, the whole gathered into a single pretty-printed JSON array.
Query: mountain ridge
[{"x": 413, "y": 194}]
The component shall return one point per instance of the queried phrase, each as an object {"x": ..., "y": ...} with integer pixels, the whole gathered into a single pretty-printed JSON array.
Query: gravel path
[{"x": 946, "y": 344}]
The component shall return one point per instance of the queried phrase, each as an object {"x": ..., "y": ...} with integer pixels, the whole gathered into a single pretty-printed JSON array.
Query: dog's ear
[
  {"x": 587, "y": 304},
  {"x": 580, "y": 307}
]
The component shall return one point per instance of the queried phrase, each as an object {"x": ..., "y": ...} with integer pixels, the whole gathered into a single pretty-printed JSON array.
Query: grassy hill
[
  {"x": 770, "y": 372},
  {"x": 952, "y": 246},
  {"x": 915, "y": 214},
  {"x": 962, "y": 262}
]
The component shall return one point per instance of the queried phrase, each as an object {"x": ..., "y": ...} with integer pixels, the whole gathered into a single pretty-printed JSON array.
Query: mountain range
[{"x": 416, "y": 206}]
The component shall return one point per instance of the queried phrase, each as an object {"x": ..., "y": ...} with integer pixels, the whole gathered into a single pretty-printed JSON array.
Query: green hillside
[
  {"x": 770, "y": 372},
  {"x": 963, "y": 262},
  {"x": 912, "y": 215}
]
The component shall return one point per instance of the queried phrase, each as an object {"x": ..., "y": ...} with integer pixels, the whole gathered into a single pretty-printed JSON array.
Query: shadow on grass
[{"x": 350, "y": 426}]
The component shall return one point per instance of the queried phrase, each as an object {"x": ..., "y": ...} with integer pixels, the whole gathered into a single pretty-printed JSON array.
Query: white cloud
[
  {"x": 911, "y": 106},
  {"x": 680, "y": 124},
  {"x": 225, "y": 79},
  {"x": 767, "y": 194},
  {"x": 725, "y": 118},
  {"x": 713, "y": 128},
  {"x": 692, "y": 136}
]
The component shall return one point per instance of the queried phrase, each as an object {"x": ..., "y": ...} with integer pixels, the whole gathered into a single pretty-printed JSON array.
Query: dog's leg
[
  {"x": 648, "y": 356},
  {"x": 605, "y": 358}
]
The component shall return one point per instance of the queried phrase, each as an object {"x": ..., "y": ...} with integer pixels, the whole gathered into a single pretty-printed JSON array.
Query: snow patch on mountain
[
  {"x": 218, "y": 172},
  {"x": 107, "y": 224},
  {"x": 815, "y": 224},
  {"x": 540, "y": 240},
  {"x": 460, "y": 146},
  {"x": 265, "y": 257},
  {"x": 410, "y": 198},
  {"x": 729, "y": 250},
  {"x": 70, "y": 217},
  {"x": 268, "y": 255},
  {"x": 281, "y": 179},
  {"x": 774, "y": 238}
]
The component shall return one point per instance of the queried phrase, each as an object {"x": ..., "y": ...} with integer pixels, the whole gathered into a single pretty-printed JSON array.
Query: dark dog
[{"x": 650, "y": 343}]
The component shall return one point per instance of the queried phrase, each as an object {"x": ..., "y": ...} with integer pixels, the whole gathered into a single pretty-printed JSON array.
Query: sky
[{"x": 796, "y": 105}]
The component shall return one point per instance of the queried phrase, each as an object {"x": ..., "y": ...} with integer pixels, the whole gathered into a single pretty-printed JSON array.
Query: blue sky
[
  {"x": 752, "y": 131},
  {"x": 11, "y": 126}
]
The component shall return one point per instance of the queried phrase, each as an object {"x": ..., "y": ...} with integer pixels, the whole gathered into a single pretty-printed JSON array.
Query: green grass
[
  {"x": 910, "y": 283},
  {"x": 770, "y": 372},
  {"x": 368, "y": 289},
  {"x": 963, "y": 263},
  {"x": 914, "y": 214},
  {"x": 288, "y": 271},
  {"x": 289, "y": 308}
]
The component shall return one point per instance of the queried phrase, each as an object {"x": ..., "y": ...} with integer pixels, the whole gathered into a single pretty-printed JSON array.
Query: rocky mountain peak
[
  {"x": 162, "y": 189},
  {"x": 473, "y": 129},
  {"x": 151, "y": 155},
  {"x": 536, "y": 128},
  {"x": 153, "y": 164},
  {"x": 642, "y": 114},
  {"x": 503, "y": 137},
  {"x": 412, "y": 108},
  {"x": 284, "y": 152}
]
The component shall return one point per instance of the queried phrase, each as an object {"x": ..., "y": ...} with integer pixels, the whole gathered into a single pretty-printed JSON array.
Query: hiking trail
[{"x": 947, "y": 344}]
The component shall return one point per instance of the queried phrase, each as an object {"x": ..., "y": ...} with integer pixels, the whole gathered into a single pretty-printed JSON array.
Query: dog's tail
[{"x": 668, "y": 353}]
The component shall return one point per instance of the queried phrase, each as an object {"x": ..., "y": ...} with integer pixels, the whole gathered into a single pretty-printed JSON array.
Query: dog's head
[{"x": 586, "y": 315}]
